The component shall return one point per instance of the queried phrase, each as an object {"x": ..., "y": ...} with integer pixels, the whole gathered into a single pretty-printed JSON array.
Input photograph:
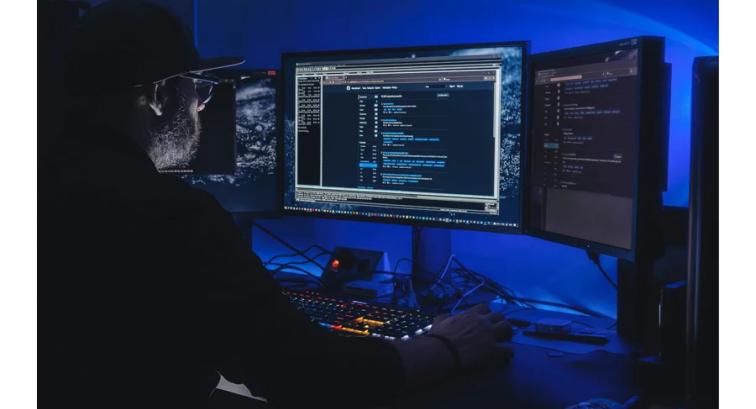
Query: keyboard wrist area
[{"x": 425, "y": 360}]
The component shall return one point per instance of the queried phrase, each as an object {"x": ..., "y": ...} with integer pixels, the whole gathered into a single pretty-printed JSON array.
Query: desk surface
[
  {"x": 537, "y": 377},
  {"x": 543, "y": 373}
]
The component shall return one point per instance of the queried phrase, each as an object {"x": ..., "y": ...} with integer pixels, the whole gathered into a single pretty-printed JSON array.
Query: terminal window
[
  {"x": 583, "y": 153},
  {"x": 396, "y": 133}
]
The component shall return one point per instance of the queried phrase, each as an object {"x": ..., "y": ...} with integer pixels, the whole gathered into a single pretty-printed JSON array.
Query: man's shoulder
[
  {"x": 92, "y": 176},
  {"x": 186, "y": 196}
]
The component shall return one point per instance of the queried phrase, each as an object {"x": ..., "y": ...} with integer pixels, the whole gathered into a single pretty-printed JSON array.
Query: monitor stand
[
  {"x": 637, "y": 301},
  {"x": 431, "y": 249}
]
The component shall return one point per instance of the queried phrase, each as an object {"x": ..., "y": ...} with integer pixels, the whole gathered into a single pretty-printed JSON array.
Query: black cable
[
  {"x": 398, "y": 262},
  {"x": 508, "y": 295},
  {"x": 395, "y": 279},
  {"x": 481, "y": 280},
  {"x": 504, "y": 292},
  {"x": 285, "y": 266},
  {"x": 295, "y": 262},
  {"x": 595, "y": 257},
  {"x": 286, "y": 244},
  {"x": 305, "y": 251},
  {"x": 464, "y": 295},
  {"x": 288, "y": 263}
]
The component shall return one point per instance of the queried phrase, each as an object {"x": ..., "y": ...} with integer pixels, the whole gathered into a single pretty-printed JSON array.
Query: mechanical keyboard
[{"x": 357, "y": 318}]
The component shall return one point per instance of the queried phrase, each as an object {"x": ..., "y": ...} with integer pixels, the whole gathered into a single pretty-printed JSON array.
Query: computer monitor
[
  {"x": 423, "y": 135},
  {"x": 237, "y": 160},
  {"x": 595, "y": 148}
]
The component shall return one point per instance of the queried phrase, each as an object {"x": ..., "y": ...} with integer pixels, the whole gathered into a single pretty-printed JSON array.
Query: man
[{"x": 148, "y": 289}]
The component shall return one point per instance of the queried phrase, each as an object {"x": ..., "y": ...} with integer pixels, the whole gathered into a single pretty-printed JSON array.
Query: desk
[
  {"x": 542, "y": 374},
  {"x": 537, "y": 377}
]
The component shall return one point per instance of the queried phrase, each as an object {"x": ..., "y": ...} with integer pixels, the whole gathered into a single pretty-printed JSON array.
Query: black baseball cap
[{"x": 128, "y": 43}]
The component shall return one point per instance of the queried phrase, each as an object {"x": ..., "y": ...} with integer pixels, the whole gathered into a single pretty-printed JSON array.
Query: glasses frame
[{"x": 202, "y": 81}]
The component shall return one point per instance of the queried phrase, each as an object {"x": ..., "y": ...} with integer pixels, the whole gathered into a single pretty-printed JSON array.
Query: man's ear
[{"x": 156, "y": 97}]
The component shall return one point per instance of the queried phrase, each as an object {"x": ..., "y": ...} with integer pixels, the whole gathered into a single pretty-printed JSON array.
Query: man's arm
[
  {"x": 295, "y": 362},
  {"x": 460, "y": 342},
  {"x": 275, "y": 348}
]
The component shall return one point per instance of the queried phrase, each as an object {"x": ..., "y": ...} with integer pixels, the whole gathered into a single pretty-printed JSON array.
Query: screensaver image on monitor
[
  {"x": 251, "y": 185},
  {"x": 423, "y": 135}
]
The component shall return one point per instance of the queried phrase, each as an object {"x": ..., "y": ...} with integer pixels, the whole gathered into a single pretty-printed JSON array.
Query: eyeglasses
[{"x": 203, "y": 84}]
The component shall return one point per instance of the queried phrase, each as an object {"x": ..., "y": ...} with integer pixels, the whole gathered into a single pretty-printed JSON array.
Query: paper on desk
[{"x": 615, "y": 345}]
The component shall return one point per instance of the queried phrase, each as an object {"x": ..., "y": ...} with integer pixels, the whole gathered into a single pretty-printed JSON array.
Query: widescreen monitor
[{"x": 425, "y": 135}]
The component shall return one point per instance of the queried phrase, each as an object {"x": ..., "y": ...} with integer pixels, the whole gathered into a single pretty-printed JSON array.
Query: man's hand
[{"x": 474, "y": 333}]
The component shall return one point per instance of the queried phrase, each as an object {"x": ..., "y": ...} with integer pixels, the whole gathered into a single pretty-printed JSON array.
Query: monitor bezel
[
  {"x": 232, "y": 73},
  {"x": 524, "y": 45},
  {"x": 643, "y": 188}
]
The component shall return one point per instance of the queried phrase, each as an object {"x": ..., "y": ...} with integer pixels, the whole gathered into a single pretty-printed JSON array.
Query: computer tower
[{"x": 703, "y": 263}]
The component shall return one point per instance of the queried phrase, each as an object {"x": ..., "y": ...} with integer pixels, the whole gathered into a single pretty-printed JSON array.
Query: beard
[{"x": 174, "y": 142}]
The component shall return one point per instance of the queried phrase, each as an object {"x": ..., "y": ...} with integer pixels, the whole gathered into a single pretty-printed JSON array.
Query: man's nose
[{"x": 200, "y": 107}]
